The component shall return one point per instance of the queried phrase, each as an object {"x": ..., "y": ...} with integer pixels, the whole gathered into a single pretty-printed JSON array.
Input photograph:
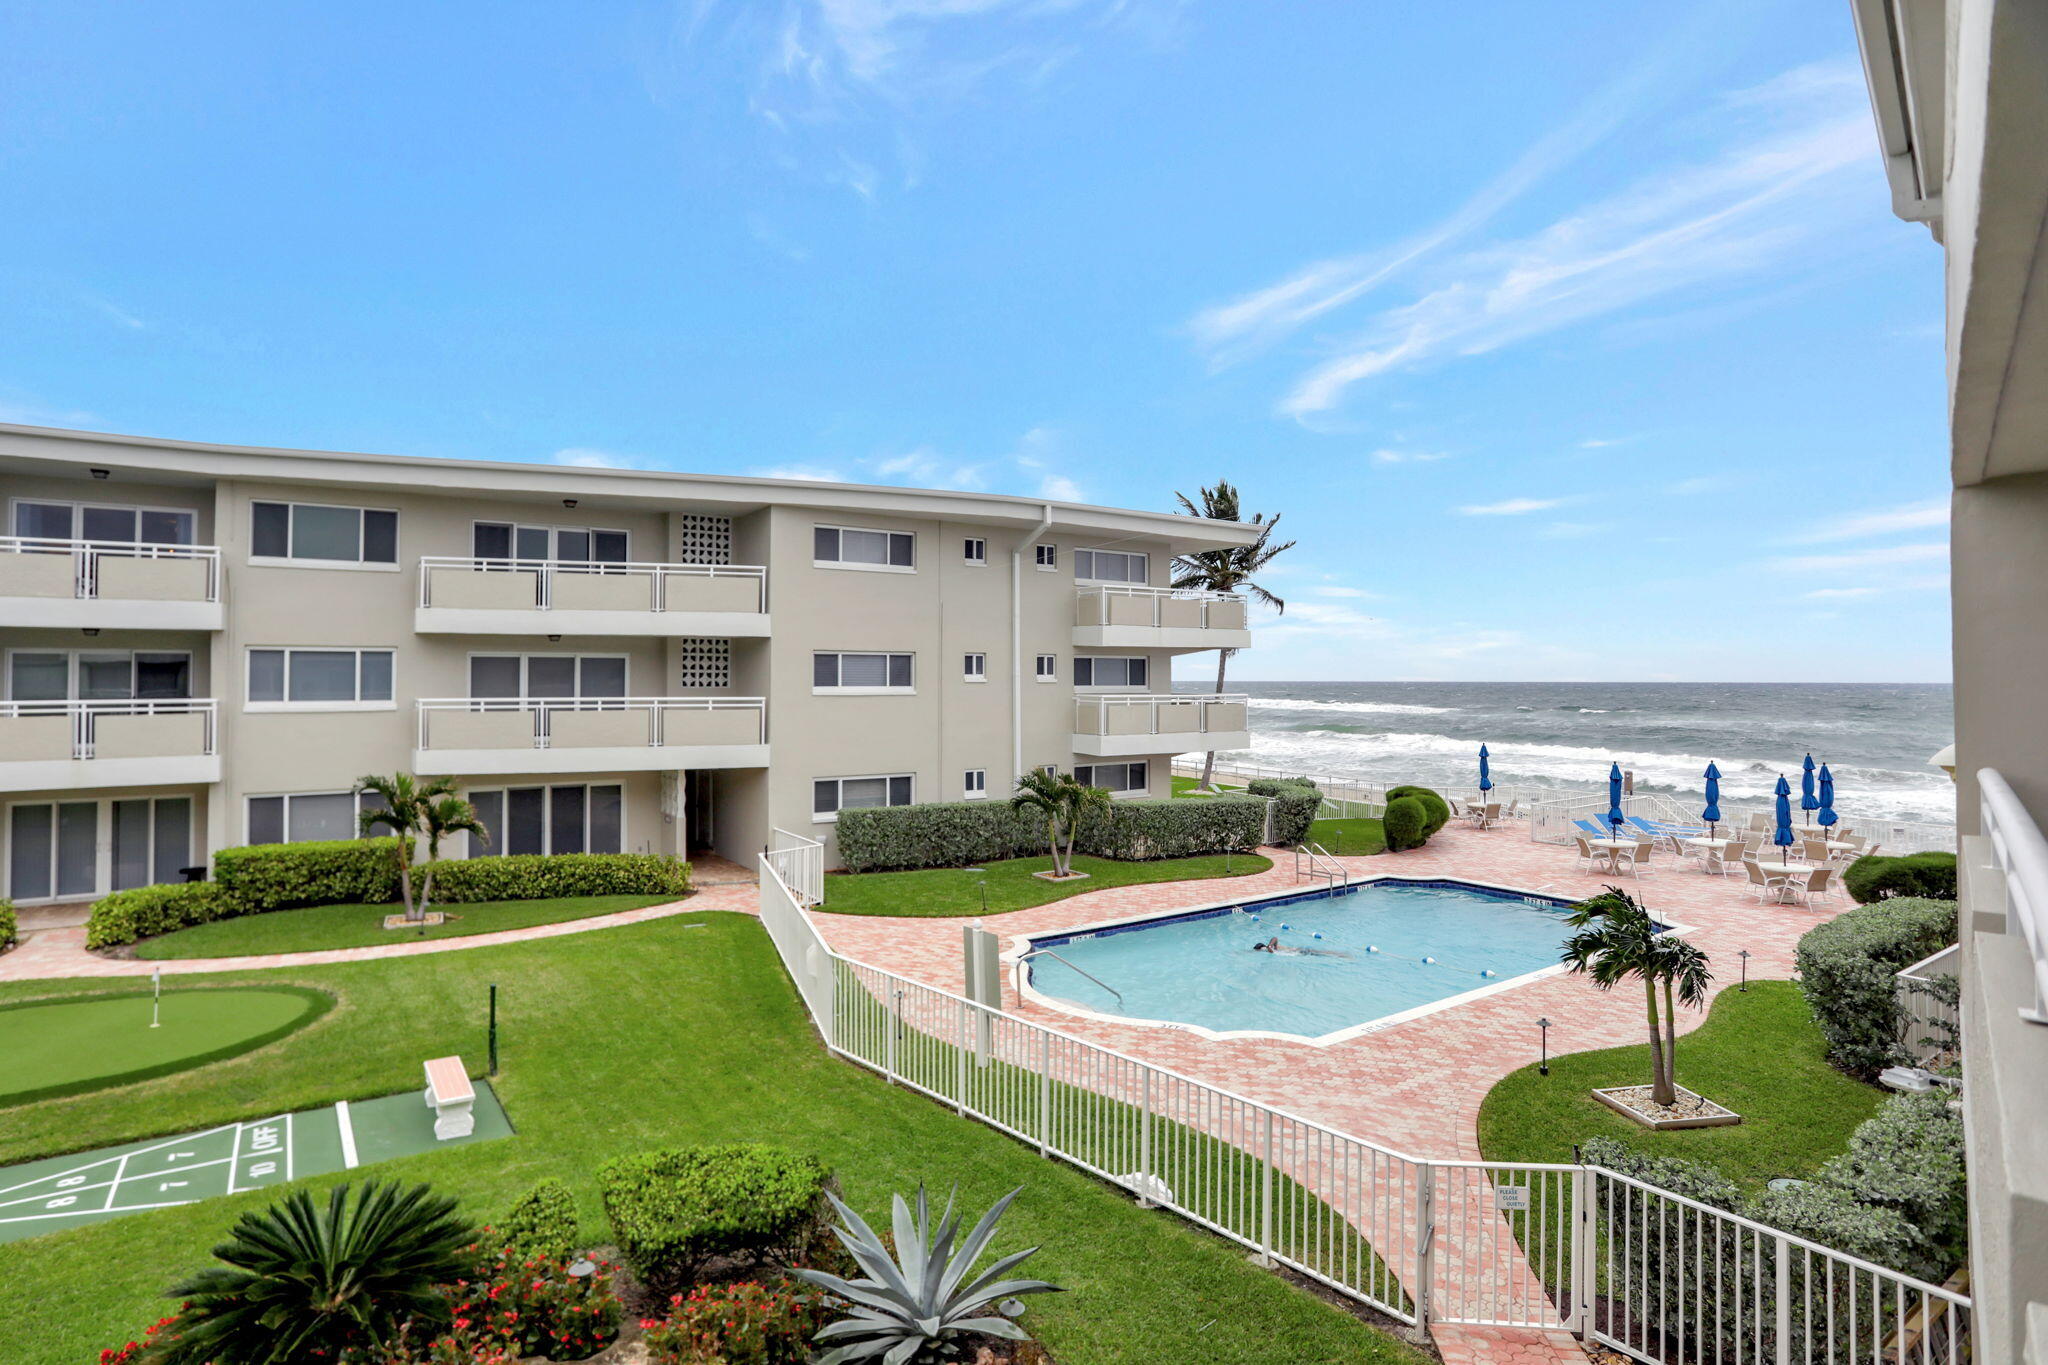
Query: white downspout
[{"x": 1017, "y": 641}]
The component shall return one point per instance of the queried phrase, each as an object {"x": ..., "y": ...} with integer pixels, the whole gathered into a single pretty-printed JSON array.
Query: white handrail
[
  {"x": 800, "y": 863},
  {"x": 87, "y": 554},
  {"x": 1096, "y": 725},
  {"x": 545, "y": 572},
  {"x": 2022, "y": 855},
  {"x": 85, "y": 715},
  {"x": 1159, "y": 596},
  {"x": 543, "y": 709}
]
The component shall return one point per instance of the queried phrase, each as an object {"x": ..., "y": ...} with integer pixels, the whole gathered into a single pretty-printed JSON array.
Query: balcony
[
  {"x": 1159, "y": 618},
  {"x": 75, "y": 745},
  {"x": 478, "y": 736},
  {"x": 558, "y": 597},
  {"x": 108, "y": 585},
  {"x": 1141, "y": 723}
]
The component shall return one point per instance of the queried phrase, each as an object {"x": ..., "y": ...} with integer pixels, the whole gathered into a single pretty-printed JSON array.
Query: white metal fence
[
  {"x": 800, "y": 864},
  {"x": 1927, "y": 1010},
  {"x": 1551, "y": 820},
  {"x": 1500, "y": 1243},
  {"x": 88, "y": 556}
]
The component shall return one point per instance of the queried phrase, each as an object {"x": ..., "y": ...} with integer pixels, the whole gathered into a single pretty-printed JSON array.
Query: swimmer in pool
[{"x": 1274, "y": 945}]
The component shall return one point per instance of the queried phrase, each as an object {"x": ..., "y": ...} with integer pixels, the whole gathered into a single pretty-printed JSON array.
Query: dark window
[
  {"x": 900, "y": 549},
  {"x": 525, "y": 820},
  {"x": 899, "y": 791},
  {"x": 824, "y": 798},
  {"x": 609, "y": 547},
  {"x": 825, "y": 671},
  {"x": 565, "y": 819},
  {"x": 380, "y": 537},
  {"x": 491, "y": 540},
  {"x": 490, "y": 813},
  {"x": 899, "y": 670},
  {"x": 266, "y": 819},
  {"x": 271, "y": 531},
  {"x": 825, "y": 544},
  {"x": 573, "y": 546},
  {"x": 43, "y": 521},
  {"x": 606, "y": 818}
]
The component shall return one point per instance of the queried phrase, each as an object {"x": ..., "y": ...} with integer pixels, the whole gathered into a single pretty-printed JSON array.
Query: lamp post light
[
  {"x": 1543, "y": 1067},
  {"x": 1744, "y": 955},
  {"x": 982, "y": 874}
]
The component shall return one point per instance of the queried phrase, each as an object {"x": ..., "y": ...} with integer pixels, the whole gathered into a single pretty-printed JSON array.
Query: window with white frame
[
  {"x": 99, "y": 675},
  {"x": 831, "y": 795},
  {"x": 564, "y": 818},
  {"x": 1110, "y": 671},
  {"x": 851, "y": 547},
  {"x": 974, "y": 667},
  {"x": 41, "y": 519},
  {"x": 1118, "y": 779},
  {"x": 975, "y": 550},
  {"x": 1048, "y": 668},
  {"x": 563, "y": 544},
  {"x": 1110, "y": 566},
  {"x": 547, "y": 675},
  {"x": 290, "y": 532},
  {"x": 1046, "y": 557},
  {"x": 307, "y": 817},
  {"x": 975, "y": 783},
  {"x": 292, "y": 679},
  {"x": 858, "y": 673}
]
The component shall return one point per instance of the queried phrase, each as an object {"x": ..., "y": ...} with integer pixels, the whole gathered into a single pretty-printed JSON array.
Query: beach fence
[
  {"x": 1927, "y": 1007},
  {"x": 1508, "y": 1244}
]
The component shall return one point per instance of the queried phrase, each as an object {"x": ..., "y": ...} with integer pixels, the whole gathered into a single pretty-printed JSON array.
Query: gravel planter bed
[{"x": 1691, "y": 1111}]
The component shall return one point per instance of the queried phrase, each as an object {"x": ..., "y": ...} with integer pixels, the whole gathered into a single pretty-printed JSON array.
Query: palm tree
[
  {"x": 440, "y": 818},
  {"x": 405, "y": 802},
  {"x": 1617, "y": 939},
  {"x": 1066, "y": 804},
  {"x": 302, "y": 1285},
  {"x": 1227, "y": 570}
]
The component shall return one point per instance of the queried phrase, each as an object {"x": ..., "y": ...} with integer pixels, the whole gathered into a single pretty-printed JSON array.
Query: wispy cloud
[
  {"x": 1702, "y": 483},
  {"x": 588, "y": 457},
  {"x": 1859, "y": 561},
  {"x": 806, "y": 473},
  {"x": 1572, "y": 530},
  {"x": 1059, "y": 488},
  {"x": 1921, "y": 583},
  {"x": 114, "y": 313},
  {"x": 1917, "y": 516},
  {"x": 928, "y": 468},
  {"x": 1602, "y": 442},
  {"x": 1510, "y": 507},
  {"x": 1388, "y": 456}
]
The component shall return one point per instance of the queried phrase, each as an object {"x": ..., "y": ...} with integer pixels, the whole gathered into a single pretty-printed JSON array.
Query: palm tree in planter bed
[
  {"x": 1227, "y": 570},
  {"x": 1066, "y": 803},
  {"x": 414, "y": 810},
  {"x": 1617, "y": 939}
]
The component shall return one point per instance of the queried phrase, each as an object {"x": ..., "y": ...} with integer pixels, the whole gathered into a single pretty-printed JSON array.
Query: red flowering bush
[
  {"x": 532, "y": 1305},
  {"x": 132, "y": 1353},
  {"x": 736, "y": 1324}
]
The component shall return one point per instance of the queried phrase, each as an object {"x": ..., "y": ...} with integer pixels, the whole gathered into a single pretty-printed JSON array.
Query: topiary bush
[
  {"x": 9, "y": 927},
  {"x": 1436, "y": 811},
  {"x": 146, "y": 911},
  {"x": 1278, "y": 786},
  {"x": 1403, "y": 822},
  {"x": 264, "y": 877},
  {"x": 674, "y": 1210},
  {"x": 1879, "y": 878},
  {"x": 963, "y": 833},
  {"x": 1847, "y": 968},
  {"x": 542, "y": 1222},
  {"x": 544, "y": 876}
]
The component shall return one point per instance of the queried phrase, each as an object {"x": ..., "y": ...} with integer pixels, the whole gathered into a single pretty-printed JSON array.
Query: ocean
[{"x": 1876, "y": 738}]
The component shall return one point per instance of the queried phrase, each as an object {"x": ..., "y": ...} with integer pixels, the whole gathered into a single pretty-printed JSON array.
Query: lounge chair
[{"x": 1592, "y": 828}]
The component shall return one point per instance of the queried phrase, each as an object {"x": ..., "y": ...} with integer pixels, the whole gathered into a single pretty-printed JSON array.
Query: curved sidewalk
[{"x": 53, "y": 954}]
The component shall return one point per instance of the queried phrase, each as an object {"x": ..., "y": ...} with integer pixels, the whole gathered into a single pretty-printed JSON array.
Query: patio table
[
  {"x": 1716, "y": 847},
  {"x": 1611, "y": 847}
]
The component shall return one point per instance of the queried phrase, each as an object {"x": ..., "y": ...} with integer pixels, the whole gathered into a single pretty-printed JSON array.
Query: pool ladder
[
  {"x": 1312, "y": 860},
  {"x": 1047, "y": 952}
]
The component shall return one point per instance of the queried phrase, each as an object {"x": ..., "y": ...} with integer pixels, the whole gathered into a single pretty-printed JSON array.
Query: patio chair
[
  {"x": 1815, "y": 885},
  {"x": 1490, "y": 815},
  {"x": 1634, "y": 859},
  {"x": 1816, "y": 850},
  {"x": 1586, "y": 854},
  {"x": 1759, "y": 821},
  {"x": 1766, "y": 883},
  {"x": 1513, "y": 806}
]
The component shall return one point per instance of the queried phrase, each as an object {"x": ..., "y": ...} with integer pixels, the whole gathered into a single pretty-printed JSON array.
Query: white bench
[{"x": 451, "y": 1097}]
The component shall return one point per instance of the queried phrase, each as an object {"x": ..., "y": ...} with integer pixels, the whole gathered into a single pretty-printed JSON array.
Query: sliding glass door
[{"x": 57, "y": 849}]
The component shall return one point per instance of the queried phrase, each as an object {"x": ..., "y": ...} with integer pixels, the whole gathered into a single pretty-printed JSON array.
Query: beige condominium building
[
  {"x": 1960, "y": 90},
  {"x": 208, "y": 645}
]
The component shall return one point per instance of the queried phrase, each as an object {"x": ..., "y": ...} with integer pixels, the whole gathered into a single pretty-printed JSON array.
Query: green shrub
[
  {"x": 9, "y": 927},
  {"x": 542, "y": 1222},
  {"x": 1676, "y": 1174},
  {"x": 963, "y": 833},
  {"x": 146, "y": 911},
  {"x": 1403, "y": 822},
  {"x": 1833, "y": 1217},
  {"x": 540, "y": 876},
  {"x": 1914, "y": 874},
  {"x": 675, "y": 1209},
  {"x": 1846, "y": 970},
  {"x": 1908, "y": 1158},
  {"x": 264, "y": 877},
  {"x": 1296, "y": 800},
  {"x": 1436, "y": 811},
  {"x": 1278, "y": 786}
]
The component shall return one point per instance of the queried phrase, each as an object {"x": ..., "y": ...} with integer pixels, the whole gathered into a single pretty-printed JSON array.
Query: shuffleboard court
[{"x": 88, "y": 1187}]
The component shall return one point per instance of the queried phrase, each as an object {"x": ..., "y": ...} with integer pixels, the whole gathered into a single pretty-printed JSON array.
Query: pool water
[{"x": 1374, "y": 951}]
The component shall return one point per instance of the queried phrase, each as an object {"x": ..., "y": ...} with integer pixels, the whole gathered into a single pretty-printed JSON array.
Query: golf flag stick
[{"x": 156, "y": 995}]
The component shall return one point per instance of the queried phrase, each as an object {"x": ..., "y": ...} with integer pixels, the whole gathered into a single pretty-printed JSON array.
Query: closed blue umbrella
[
  {"x": 1782, "y": 835},
  {"x": 1485, "y": 781},
  {"x": 1807, "y": 802},
  {"x": 1827, "y": 797},
  {"x": 1614, "y": 816},
  {"x": 1712, "y": 814}
]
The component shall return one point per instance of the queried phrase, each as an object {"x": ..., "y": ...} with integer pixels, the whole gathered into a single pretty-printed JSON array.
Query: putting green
[{"x": 65, "y": 1047}]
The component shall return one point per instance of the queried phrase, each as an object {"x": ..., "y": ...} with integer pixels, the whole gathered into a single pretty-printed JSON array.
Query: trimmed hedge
[
  {"x": 1673, "y": 1173},
  {"x": 1296, "y": 800},
  {"x": 146, "y": 911},
  {"x": 675, "y": 1209},
  {"x": 1436, "y": 810},
  {"x": 544, "y": 876},
  {"x": 1830, "y": 1215},
  {"x": 1403, "y": 822},
  {"x": 1879, "y": 878},
  {"x": 963, "y": 833},
  {"x": 1846, "y": 970},
  {"x": 263, "y": 877},
  {"x": 1907, "y": 1159},
  {"x": 9, "y": 927},
  {"x": 542, "y": 1222}
]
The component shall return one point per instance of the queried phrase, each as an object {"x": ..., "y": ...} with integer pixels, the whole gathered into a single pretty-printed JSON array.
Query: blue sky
[{"x": 1573, "y": 341}]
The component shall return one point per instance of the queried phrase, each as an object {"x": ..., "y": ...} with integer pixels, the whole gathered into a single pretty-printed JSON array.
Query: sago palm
[
  {"x": 1227, "y": 570},
  {"x": 405, "y": 800},
  {"x": 1067, "y": 804},
  {"x": 302, "y": 1284}
]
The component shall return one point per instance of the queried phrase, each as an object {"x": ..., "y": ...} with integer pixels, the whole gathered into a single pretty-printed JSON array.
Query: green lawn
[
  {"x": 1187, "y": 786},
  {"x": 355, "y": 926},
  {"x": 1758, "y": 1053},
  {"x": 954, "y": 891},
  {"x": 631, "y": 1038},
  {"x": 1352, "y": 838}
]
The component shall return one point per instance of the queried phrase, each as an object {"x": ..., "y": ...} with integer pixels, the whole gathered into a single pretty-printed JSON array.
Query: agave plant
[
  {"x": 921, "y": 1302},
  {"x": 302, "y": 1285}
]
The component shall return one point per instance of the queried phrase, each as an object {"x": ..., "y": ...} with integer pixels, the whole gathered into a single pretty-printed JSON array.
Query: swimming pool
[{"x": 1361, "y": 958}]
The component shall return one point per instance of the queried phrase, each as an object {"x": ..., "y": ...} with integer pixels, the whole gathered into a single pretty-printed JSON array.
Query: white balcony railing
[
  {"x": 565, "y": 585},
  {"x": 557, "y": 723},
  {"x": 54, "y": 731},
  {"x": 2021, "y": 853},
  {"x": 93, "y": 569},
  {"x": 1160, "y": 713},
  {"x": 1115, "y": 604}
]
